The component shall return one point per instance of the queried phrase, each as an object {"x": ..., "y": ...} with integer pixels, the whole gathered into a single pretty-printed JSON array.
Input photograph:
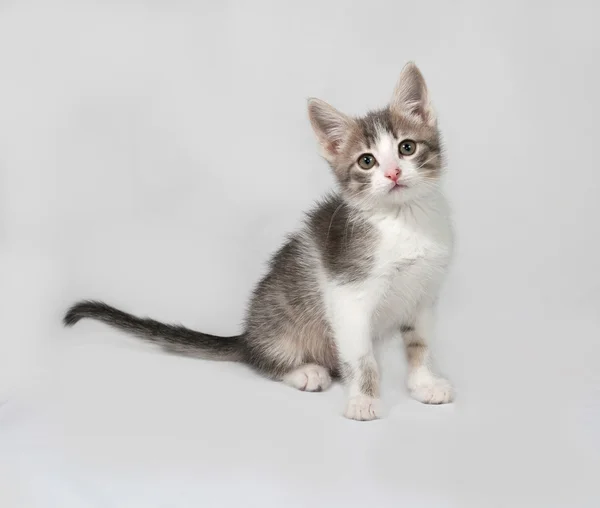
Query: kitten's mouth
[{"x": 398, "y": 186}]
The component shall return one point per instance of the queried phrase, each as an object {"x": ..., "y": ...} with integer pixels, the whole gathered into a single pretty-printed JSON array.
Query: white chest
[{"x": 411, "y": 258}]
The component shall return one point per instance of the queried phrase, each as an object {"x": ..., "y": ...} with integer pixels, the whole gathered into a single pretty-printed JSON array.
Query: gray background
[{"x": 153, "y": 154}]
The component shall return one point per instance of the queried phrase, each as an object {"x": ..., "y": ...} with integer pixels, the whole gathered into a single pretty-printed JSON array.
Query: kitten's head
[{"x": 387, "y": 157}]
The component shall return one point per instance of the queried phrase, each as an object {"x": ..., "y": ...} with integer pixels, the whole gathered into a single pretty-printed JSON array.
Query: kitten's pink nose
[{"x": 393, "y": 174}]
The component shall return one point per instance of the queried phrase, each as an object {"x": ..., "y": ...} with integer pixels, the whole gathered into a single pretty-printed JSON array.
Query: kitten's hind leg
[{"x": 308, "y": 377}]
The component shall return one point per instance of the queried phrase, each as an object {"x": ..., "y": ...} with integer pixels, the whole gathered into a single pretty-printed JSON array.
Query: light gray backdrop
[{"x": 153, "y": 154}]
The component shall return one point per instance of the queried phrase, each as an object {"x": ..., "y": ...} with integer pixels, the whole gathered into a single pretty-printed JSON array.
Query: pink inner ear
[
  {"x": 333, "y": 147},
  {"x": 419, "y": 110}
]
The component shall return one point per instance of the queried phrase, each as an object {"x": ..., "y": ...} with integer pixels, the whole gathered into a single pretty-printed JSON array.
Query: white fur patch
[
  {"x": 350, "y": 309},
  {"x": 411, "y": 261}
]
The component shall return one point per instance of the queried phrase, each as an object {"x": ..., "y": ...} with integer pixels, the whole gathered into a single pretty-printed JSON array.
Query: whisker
[
  {"x": 428, "y": 160},
  {"x": 331, "y": 221}
]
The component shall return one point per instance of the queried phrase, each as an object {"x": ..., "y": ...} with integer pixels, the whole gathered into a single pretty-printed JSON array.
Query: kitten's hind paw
[{"x": 309, "y": 378}]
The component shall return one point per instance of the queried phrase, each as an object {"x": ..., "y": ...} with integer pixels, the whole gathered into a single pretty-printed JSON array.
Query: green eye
[
  {"x": 366, "y": 161},
  {"x": 407, "y": 147}
]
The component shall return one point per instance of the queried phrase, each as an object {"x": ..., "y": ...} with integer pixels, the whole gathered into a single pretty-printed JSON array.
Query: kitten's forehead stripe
[{"x": 373, "y": 123}]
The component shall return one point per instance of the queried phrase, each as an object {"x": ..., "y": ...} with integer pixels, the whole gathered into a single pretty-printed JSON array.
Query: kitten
[{"x": 367, "y": 262}]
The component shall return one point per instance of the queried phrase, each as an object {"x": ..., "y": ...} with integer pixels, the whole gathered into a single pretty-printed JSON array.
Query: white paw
[
  {"x": 363, "y": 408},
  {"x": 430, "y": 389},
  {"x": 309, "y": 378}
]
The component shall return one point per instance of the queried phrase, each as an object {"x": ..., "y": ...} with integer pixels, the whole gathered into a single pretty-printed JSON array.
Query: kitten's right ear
[{"x": 331, "y": 126}]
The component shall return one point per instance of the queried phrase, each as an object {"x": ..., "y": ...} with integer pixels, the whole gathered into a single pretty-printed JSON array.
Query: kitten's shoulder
[
  {"x": 341, "y": 236},
  {"x": 324, "y": 209},
  {"x": 332, "y": 221}
]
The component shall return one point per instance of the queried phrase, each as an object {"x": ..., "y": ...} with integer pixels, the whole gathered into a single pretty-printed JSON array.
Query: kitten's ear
[
  {"x": 331, "y": 126},
  {"x": 411, "y": 96}
]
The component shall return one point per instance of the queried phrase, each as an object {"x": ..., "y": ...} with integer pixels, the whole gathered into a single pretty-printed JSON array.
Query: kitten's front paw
[
  {"x": 363, "y": 408},
  {"x": 431, "y": 390}
]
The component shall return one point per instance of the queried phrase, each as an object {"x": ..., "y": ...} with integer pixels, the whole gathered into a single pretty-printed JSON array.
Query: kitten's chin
[
  {"x": 389, "y": 199},
  {"x": 398, "y": 196}
]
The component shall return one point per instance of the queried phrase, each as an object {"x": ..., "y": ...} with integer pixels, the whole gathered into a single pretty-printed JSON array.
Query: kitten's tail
[{"x": 172, "y": 338}]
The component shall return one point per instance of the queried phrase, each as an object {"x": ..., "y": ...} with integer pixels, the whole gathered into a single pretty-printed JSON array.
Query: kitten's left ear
[{"x": 411, "y": 96}]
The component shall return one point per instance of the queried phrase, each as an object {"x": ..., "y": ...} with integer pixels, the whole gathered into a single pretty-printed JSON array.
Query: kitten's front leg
[
  {"x": 423, "y": 384},
  {"x": 352, "y": 330}
]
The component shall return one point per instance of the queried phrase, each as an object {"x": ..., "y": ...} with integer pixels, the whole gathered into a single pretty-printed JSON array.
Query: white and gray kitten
[{"x": 367, "y": 262}]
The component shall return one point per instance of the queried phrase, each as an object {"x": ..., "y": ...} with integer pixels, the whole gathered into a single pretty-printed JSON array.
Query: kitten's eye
[
  {"x": 407, "y": 147},
  {"x": 366, "y": 161}
]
